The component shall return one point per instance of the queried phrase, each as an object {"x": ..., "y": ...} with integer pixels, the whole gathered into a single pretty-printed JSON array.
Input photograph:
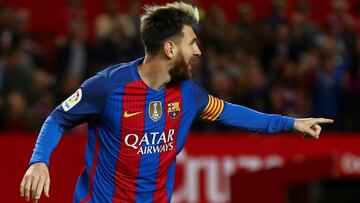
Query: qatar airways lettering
[{"x": 152, "y": 142}]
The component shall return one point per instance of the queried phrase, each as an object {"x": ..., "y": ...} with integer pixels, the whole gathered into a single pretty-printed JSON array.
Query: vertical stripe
[
  {"x": 128, "y": 160},
  {"x": 93, "y": 169},
  {"x": 82, "y": 185},
  {"x": 170, "y": 180},
  {"x": 109, "y": 132},
  {"x": 146, "y": 181},
  {"x": 172, "y": 95},
  {"x": 189, "y": 112}
]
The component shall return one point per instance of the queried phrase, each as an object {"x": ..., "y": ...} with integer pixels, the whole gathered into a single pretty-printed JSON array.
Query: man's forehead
[{"x": 189, "y": 32}]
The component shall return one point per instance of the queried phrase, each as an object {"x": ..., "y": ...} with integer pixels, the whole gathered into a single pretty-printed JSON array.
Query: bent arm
[
  {"x": 49, "y": 136},
  {"x": 86, "y": 103}
]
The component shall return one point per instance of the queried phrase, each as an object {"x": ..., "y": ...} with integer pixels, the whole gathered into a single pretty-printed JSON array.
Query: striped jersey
[{"x": 135, "y": 133}]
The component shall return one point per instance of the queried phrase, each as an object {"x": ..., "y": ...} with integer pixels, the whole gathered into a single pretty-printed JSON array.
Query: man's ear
[{"x": 170, "y": 49}]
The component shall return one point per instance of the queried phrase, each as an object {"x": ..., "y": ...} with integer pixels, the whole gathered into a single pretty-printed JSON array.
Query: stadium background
[{"x": 298, "y": 58}]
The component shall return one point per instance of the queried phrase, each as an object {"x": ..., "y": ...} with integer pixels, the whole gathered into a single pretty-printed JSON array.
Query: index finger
[{"x": 323, "y": 120}]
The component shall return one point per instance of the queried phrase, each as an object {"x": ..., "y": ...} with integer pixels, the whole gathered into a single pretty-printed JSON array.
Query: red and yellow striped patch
[{"x": 213, "y": 109}]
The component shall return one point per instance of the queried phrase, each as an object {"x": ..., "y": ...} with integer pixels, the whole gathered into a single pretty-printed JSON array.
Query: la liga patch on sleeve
[{"x": 70, "y": 102}]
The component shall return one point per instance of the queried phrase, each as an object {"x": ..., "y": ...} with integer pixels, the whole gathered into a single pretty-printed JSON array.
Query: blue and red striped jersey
[{"x": 135, "y": 132}]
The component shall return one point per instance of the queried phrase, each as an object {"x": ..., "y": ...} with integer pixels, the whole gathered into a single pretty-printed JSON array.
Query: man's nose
[{"x": 197, "y": 51}]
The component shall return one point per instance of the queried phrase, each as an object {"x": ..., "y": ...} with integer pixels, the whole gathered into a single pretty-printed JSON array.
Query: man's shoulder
[
  {"x": 192, "y": 83},
  {"x": 111, "y": 77},
  {"x": 121, "y": 73},
  {"x": 194, "y": 87}
]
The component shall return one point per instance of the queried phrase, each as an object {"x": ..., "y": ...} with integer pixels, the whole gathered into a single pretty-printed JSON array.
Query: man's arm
[
  {"x": 37, "y": 178},
  {"x": 245, "y": 118},
  {"x": 248, "y": 119},
  {"x": 211, "y": 109},
  {"x": 86, "y": 103},
  {"x": 44, "y": 146}
]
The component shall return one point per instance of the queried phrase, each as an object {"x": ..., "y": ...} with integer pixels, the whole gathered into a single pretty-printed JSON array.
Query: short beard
[{"x": 180, "y": 71}]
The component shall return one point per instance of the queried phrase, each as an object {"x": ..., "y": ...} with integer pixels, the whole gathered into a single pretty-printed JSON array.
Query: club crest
[
  {"x": 173, "y": 109},
  {"x": 155, "y": 110}
]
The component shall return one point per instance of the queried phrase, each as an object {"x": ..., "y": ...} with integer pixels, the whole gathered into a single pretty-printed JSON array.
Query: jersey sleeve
[
  {"x": 212, "y": 109},
  {"x": 49, "y": 136},
  {"x": 200, "y": 96},
  {"x": 208, "y": 107},
  {"x": 86, "y": 103},
  {"x": 249, "y": 119}
]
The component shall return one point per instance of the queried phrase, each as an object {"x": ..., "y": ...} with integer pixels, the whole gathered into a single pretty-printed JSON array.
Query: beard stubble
[{"x": 180, "y": 70}]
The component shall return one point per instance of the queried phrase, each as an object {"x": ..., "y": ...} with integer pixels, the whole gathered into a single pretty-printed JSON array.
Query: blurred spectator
[
  {"x": 303, "y": 29},
  {"x": 339, "y": 15},
  {"x": 222, "y": 85},
  {"x": 75, "y": 11},
  {"x": 352, "y": 90},
  {"x": 213, "y": 28},
  {"x": 17, "y": 76},
  {"x": 118, "y": 39},
  {"x": 278, "y": 13},
  {"x": 255, "y": 93},
  {"x": 73, "y": 57},
  {"x": 117, "y": 47},
  {"x": 43, "y": 87},
  {"x": 249, "y": 34},
  {"x": 17, "y": 119},
  {"x": 32, "y": 54},
  {"x": 106, "y": 23},
  {"x": 286, "y": 95},
  {"x": 8, "y": 37},
  {"x": 302, "y": 18},
  {"x": 279, "y": 50},
  {"x": 328, "y": 89}
]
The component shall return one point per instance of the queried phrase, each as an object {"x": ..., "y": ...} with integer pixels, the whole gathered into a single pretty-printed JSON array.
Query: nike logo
[{"x": 127, "y": 115}]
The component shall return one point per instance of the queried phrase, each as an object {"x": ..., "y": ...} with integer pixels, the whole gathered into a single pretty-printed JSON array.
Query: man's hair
[{"x": 163, "y": 22}]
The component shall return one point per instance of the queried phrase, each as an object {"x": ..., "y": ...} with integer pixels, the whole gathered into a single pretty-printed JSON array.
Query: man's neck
[{"x": 154, "y": 72}]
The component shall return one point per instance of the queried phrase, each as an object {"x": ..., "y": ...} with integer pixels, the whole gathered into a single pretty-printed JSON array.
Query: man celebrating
[{"x": 139, "y": 115}]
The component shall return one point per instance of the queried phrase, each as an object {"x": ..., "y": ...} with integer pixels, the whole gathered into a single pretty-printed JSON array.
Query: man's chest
[{"x": 140, "y": 109}]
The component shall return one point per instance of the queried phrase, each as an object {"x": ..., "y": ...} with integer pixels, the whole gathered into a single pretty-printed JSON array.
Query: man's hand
[
  {"x": 310, "y": 126},
  {"x": 35, "y": 180}
]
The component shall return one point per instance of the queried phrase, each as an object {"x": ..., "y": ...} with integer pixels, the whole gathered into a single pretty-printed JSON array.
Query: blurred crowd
[{"x": 284, "y": 63}]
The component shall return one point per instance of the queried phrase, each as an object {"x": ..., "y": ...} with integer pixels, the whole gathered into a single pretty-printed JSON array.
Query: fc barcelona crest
[
  {"x": 173, "y": 109},
  {"x": 155, "y": 110}
]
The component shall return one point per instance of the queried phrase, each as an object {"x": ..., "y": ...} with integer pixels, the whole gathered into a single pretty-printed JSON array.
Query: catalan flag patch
[{"x": 213, "y": 109}]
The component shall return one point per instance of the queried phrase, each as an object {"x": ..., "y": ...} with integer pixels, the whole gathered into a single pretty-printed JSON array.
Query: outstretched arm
[
  {"x": 245, "y": 118},
  {"x": 248, "y": 119}
]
